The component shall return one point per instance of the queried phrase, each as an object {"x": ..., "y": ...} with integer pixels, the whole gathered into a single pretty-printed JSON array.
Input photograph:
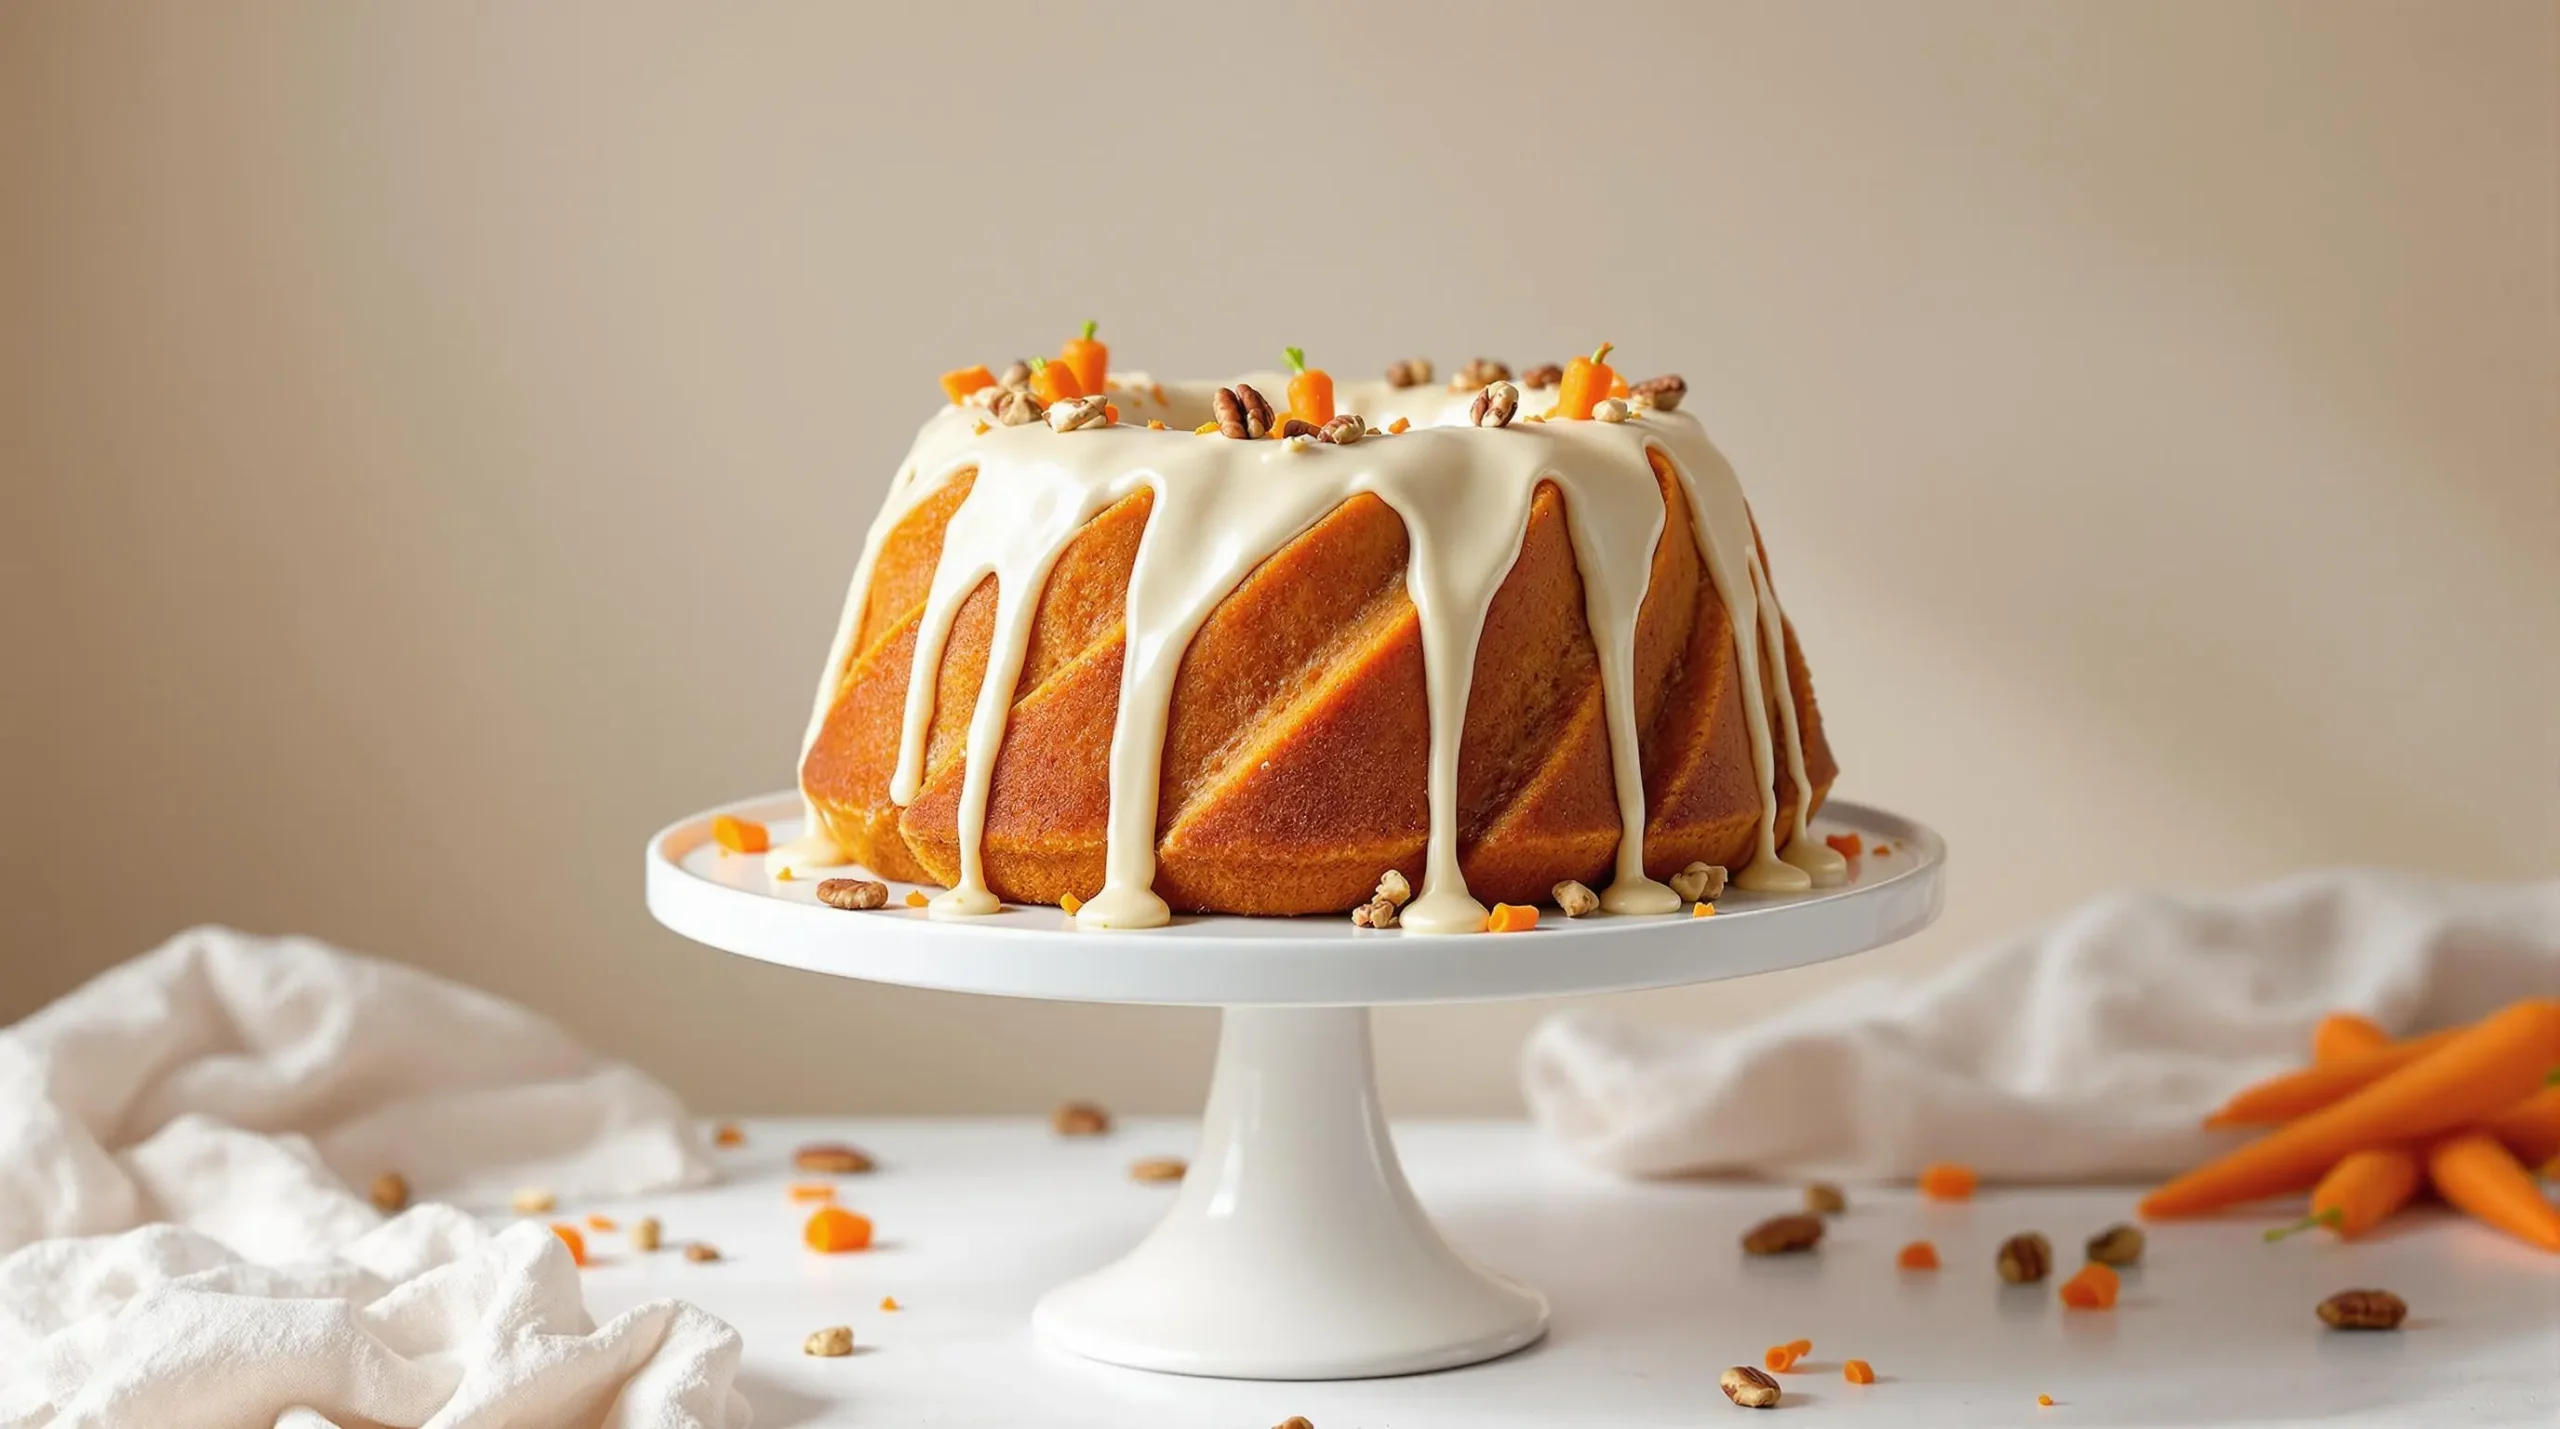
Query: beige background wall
[{"x": 434, "y": 442}]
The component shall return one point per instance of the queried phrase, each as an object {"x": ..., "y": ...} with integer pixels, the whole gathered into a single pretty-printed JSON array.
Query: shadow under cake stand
[{"x": 1295, "y": 1249}]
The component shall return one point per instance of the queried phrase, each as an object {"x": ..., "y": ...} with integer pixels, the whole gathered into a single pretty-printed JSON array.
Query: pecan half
[
  {"x": 1783, "y": 1235},
  {"x": 1574, "y": 899},
  {"x": 833, "y": 1342},
  {"x": 1242, "y": 413},
  {"x": 832, "y": 1158},
  {"x": 1017, "y": 409},
  {"x": 1076, "y": 413},
  {"x": 1821, "y": 1198},
  {"x": 1296, "y": 427},
  {"x": 1158, "y": 1168},
  {"x": 1495, "y": 405},
  {"x": 1545, "y": 374},
  {"x": 1663, "y": 394},
  {"x": 1342, "y": 431},
  {"x": 1016, "y": 378},
  {"x": 2363, "y": 1310},
  {"x": 853, "y": 893},
  {"x": 390, "y": 1193},
  {"x": 1412, "y": 372},
  {"x": 1751, "y": 1388},
  {"x": 2116, "y": 1245},
  {"x": 1079, "y": 1119},
  {"x": 1478, "y": 374},
  {"x": 2025, "y": 1259}
]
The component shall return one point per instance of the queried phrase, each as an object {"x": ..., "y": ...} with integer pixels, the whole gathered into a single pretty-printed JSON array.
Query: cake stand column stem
[{"x": 1295, "y": 1249}]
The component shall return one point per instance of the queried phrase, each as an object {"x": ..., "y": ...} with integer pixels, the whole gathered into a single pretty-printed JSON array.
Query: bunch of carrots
[{"x": 2467, "y": 1111}]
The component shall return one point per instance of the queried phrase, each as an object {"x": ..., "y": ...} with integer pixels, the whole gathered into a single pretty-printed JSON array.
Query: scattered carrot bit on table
[
  {"x": 890, "y": 1303},
  {"x": 2091, "y": 1287},
  {"x": 1947, "y": 1181},
  {"x": 805, "y": 1191},
  {"x": 1858, "y": 1372},
  {"x": 739, "y": 835},
  {"x": 569, "y": 1237},
  {"x": 1919, "y": 1255},
  {"x": 834, "y": 1230},
  {"x": 2044, "y": 1401},
  {"x": 601, "y": 1223},
  {"x": 1846, "y": 845},
  {"x": 1398, "y": 427},
  {"x": 1510, "y": 918},
  {"x": 979, "y": 429},
  {"x": 916, "y": 898},
  {"x": 958, "y": 384},
  {"x": 1310, "y": 388},
  {"x": 1777, "y": 1359},
  {"x": 728, "y": 1135}
]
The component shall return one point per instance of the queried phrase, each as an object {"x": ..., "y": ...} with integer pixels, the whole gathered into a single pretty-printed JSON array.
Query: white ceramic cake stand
[{"x": 1295, "y": 1249}]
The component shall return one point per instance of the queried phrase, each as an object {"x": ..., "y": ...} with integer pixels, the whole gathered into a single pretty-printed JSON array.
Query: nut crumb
[
  {"x": 702, "y": 1250},
  {"x": 644, "y": 1233},
  {"x": 1017, "y": 409},
  {"x": 1376, "y": 913},
  {"x": 2025, "y": 1259},
  {"x": 1574, "y": 899},
  {"x": 1609, "y": 409},
  {"x": 1783, "y": 1235},
  {"x": 1394, "y": 887},
  {"x": 1821, "y": 1198},
  {"x": 1748, "y": 1387},
  {"x": 853, "y": 893},
  {"x": 390, "y": 1193},
  {"x": 1079, "y": 1119},
  {"x": 833, "y": 1342},
  {"x": 1699, "y": 883},
  {"x": 2116, "y": 1245},
  {"x": 1158, "y": 1168},
  {"x": 832, "y": 1158},
  {"x": 2363, "y": 1310},
  {"x": 533, "y": 1201}
]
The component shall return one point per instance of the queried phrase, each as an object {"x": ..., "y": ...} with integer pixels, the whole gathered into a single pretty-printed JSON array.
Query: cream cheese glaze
[{"x": 1222, "y": 507}]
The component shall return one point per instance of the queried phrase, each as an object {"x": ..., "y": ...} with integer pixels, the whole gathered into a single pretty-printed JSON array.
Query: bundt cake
[{"x": 1164, "y": 647}]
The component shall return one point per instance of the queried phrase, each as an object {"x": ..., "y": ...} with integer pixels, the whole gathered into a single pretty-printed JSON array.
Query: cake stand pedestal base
[{"x": 1295, "y": 1249}]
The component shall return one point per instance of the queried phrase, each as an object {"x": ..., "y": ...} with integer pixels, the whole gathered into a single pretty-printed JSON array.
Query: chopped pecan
[{"x": 1783, "y": 1235}]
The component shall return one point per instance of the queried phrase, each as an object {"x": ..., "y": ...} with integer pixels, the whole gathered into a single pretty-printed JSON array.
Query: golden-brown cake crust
[{"x": 1297, "y": 741}]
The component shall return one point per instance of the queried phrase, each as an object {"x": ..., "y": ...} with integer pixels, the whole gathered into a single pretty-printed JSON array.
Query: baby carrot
[
  {"x": 2306, "y": 1091},
  {"x": 1054, "y": 382},
  {"x": 2341, "y": 1035},
  {"x": 2530, "y": 1128},
  {"x": 1311, "y": 390},
  {"x": 1586, "y": 381},
  {"x": 2359, "y": 1192},
  {"x": 958, "y": 384},
  {"x": 1088, "y": 359},
  {"x": 2473, "y": 1171},
  {"x": 2485, "y": 1069}
]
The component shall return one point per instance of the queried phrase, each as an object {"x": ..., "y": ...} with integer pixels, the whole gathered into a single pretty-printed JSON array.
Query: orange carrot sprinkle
[
  {"x": 1858, "y": 1372},
  {"x": 728, "y": 1135},
  {"x": 1111, "y": 413},
  {"x": 1703, "y": 910},
  {"x": 1845, "y": 845},
  {"x": 2044, "y": 1401},
  {"x": 1399, "y": 426},
  {"x": 569, "y": 1237},
  {"x": 1511, "y": 918},
  {"x": 834, "y": 1230},
  {"x": 916, "y": 898},
  {"x": 601, "y": 1223},
  {"x": 979, "y": 429},
  {"x": 1947, "y": 1181},
  {"x": 1205, "y": 429},
  {"x": 1069, "y": 904},
  {"x": 1919, "y": 1255},
  {"x": 739, "y": 835},
  {"x": 1881, "y": 851},
  {"x": 2093, "y": 1287},
  {"x": 1156, "y": 425},
  {"x": 890, "y": 1303},
  {"x": 812, "y": 1191},
  {"x": 1778, "y": 1360},
  {"x": 783, "y": 874}
]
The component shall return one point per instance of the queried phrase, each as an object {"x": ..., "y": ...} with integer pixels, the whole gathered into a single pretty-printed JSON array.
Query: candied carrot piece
[
  {"x": 916, "y": 898},
  {"x": 1111, "y": 413},
  {"x": 1858, "y": 1372},
  {"x": 728, "y": 1135},
  {"x": 1070, "y": 903},
  {"x": 2092, "y": 1287},
  {"x": 890, "y": 1303},
  {"x": 783, "y": 874},
  {"x": 1703, "y": 910},
  {"x": 1399, "y": 427},
  {"x": 958, "y": 384},
  {"x": 1205, "y": 429},
  {"x": 1586, "y": 381},
  {"x": 1311, "y": 390},
  {"x": 601, "y": 1223},
  {"x": 1881, "y": 851},
  {"x": 1845, "y": 845},
  {"x": 1155, "y": 424},
  {"x": 1511, "y": 918},
  {"x": 812, "y": 1191},
  {"x": 739, "y": 835},
  {"x": 979, "y": 429},
  {"x": 834, "y": 1230},
  {"x": 1947, "y": 1181},
  {"x": 1053, "y": 382},
  {"x": 1919, "y": 1255},
  {"x": 569, "y": 1237},
  {"x": 1088, "y": 359},
  {"x": 2044, "y": 1401}
]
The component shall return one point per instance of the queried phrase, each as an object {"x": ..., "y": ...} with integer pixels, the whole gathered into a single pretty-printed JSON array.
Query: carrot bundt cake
[{"x": 1133, "y": 647}]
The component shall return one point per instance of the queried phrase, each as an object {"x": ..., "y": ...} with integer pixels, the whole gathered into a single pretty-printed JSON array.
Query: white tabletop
[{"x": 1652, "y": 1300}]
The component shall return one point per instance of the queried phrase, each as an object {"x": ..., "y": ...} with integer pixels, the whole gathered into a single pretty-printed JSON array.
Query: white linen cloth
[
  {"x": 185, "y": 1144},
  {"x": 2087, "y": 1050}
]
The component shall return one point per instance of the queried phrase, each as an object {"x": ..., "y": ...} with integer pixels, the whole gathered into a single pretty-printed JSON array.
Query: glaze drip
[{"x": 1220, "y": 508}]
